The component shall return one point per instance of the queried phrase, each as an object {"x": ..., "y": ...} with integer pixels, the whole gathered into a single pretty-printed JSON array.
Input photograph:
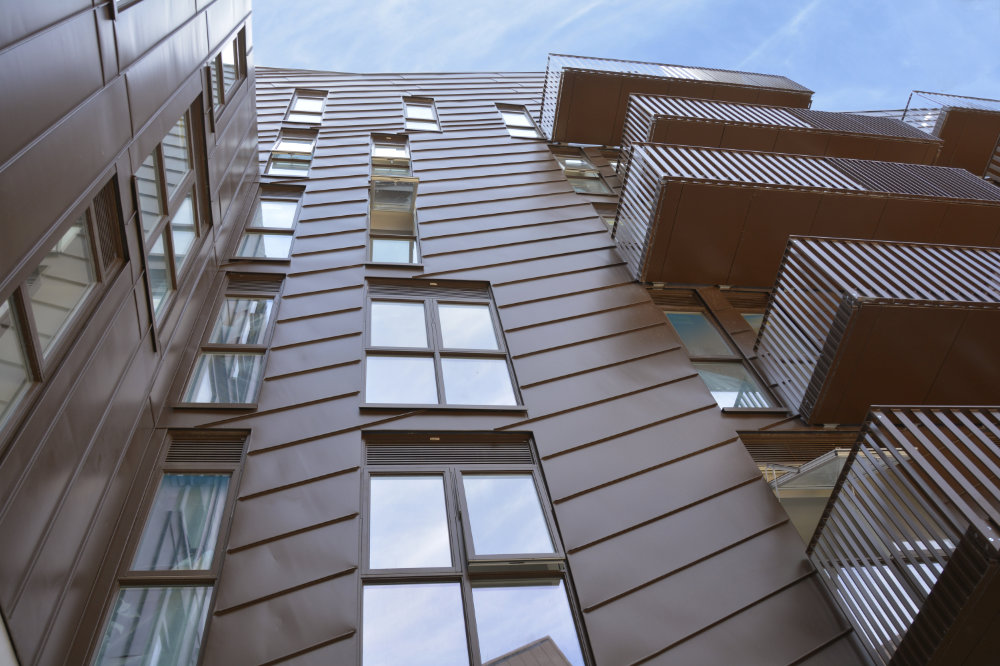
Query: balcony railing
[
  {"x": 703, "y": 122},
  {"x": 714, "y": 216},
  {"x": 853, "y": 323},
  {"x": 909, "y": 536},
  {"x": 675, "y": 79}
]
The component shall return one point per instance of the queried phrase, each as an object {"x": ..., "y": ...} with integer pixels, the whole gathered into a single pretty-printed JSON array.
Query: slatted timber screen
[
  {"x": 634, "y": 229},
  {"x": 822, "y": 281},
  {"x": 908, "y": 529},
  {"x": 557, "y": 63},
  {"x": 183, "y": 451},
  {"x": 108, "y": 225}
]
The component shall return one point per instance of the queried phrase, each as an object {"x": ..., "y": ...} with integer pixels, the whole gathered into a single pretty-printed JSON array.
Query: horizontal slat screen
[
  {"x": 507, "y": 453},
  {"x": 426, "y": 291},
  {"x": 253, "y": 284},
  {"x": 205, "y": 452}
]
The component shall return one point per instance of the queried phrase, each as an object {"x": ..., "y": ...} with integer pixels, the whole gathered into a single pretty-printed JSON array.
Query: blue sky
[{"x": 856, "y": 54}]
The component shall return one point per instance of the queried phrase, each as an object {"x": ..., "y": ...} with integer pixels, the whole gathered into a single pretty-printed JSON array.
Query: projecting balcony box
[
  {"x": 776, "y": 129},
  {"x": 584, "y": 99},
  {"x": 968, "y": 126},
  {"x": 908, "y": 545},
  {"x": 710, "y": 216},
  {"x": 853, "y": 323}
]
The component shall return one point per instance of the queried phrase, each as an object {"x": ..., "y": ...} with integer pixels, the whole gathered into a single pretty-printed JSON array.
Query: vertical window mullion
[{"x": 24, "y": 321}]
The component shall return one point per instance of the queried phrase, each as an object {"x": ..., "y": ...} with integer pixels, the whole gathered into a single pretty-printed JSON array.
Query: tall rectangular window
[
  {"x": 392, "y": 220},
  {"x": 518, "y": 122},
  {"x": 292, "y": 154},
  {"x": 226, "y": 71},
  {"x": 580, "y": 171},
  {"x": 390, "y": 155},
  {"x": 420, "y": 113},
  {"x": 165, "y": 585},
  {"x": 230, "y": 367},
  {"x": 271, "y": 229},
  {"x": 306, "y": 107},
  {"x": 470, "y": 536},
  {"x": 432, "y": 345}
]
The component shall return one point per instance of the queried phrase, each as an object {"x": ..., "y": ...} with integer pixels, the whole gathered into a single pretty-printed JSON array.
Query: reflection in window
[
  {"x": 306, "y": 107},
  {"x": 408, "y": 523},
  {"x": 518, "y": 122},
  {"x": 394, "y": 250},
  {"x": 183, "y": 232},
  {"x": 755, "y": 319},
  {"x": 398, "y": 324},
  {"x": 176, "y": 155},
  {"x": 698, "y": 335},
  {"x": 182, "y": 528},
  {"x": 404, "y": 380},
  {"x": 477, "y": 381},
  {"x": 61, "y": 283},
  {"x": 400, "y": 629},
  {"x": 160, "y": 279},
  {"x": 420, "y": 114},
  {"x": 732, "y": 385},
  {"x": 582, "y": 175},
  {"x": 513, "y": 615},
  {"x": 264, "y": 246},
  {"x": 14, "y": 378},
  {"x": 292, "y": 154},
  {"x": 505, "y": 516},
  {"x": 155, "y": 625},
  {"x": 150, "y": 193},
  {"x": 242, "y": 321},
  {"x": 275, "y": 214},
  {"x": 225, "y": 378},
  {"x": 467, "y": 326}
]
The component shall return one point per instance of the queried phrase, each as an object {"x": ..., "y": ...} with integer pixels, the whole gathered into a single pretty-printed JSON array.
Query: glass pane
[
  {"x": 183, "y": 232},
  {"x": 393, "y": 195},
  {"x": 182, "y": 528},
  {"x": 155, "y": 625},
  {"x": 14, "y": 379},
  {"x": 160, "y": 282},
  {"x": 265, "y": 246},
  {"x": 524, "y": 133},
  {"x": 230, "y": 65},
  {"x": 305, "y": 117},
  {"x": 394, "y": 251},
  {"x": 242, "y": 321},
  {"x": 409, "y": 523},
  {"x": 477, "y": 381},
  {"x": 589, "y": 185},
  {"x": 226, "y": 378},
  {"x": 275, "y": 214},
  {"x": 402, "y": 380},
  {"x": 516, "y": 118},
  {"x": 416, "y": 625},
  {"x": 287, "y": 145},
  {"x": 754, "y": 319},
  {"x": 147, "y": 180},
  {"x": 308, "y": 104},
  {"x": 285, "y": 164},
  {"x": 398, "y": 324},
  {"x": 731, "y": 384},
  {"x": 390, "y": 151},
  {"x": 427, "y": 125},
  {"x": 61, "y": 282},
  {"x": 574, "y": 162},
  {"x": 176, "y": 155},
  {"x": 529, "y": 617},
  {"x": 401, "y": 171},
  {"x": 216, "y": 83},
  {"x": 467, "y": 326},
  {"x": 505, "y": 515},
  {"x": 698, "y": 335},
  {"x": 419, "y": 111}
]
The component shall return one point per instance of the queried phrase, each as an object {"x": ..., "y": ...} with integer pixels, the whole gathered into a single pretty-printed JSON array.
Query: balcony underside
[
  {"x": 711, "y": 233},
  {"x": 591, "y": 105},
  {"x": 969, "y": 136},
  {"x": 908, "y": 354},
  {"x": 796, "y": 141}
]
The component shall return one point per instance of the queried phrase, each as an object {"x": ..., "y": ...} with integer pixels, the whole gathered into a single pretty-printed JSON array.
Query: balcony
[
  {"x": 908, "y": 543},
  {"x": 709, "y": 216},
  {"x": 584, "y": 98},
  {"x": 854, "y": 323},
  {"x": 701, "y": 122},
  {"x": 968, "y": 126}
]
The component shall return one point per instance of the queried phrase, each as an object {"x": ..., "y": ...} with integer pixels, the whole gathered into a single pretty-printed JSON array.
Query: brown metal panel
[
  {"x": 223, "y": 17},
  {"x": 907, "y": 219},
  {"x": 770, "y": 219},
  {"x": 803, "y": 143},
  {"x": 21, "y": 19},
  {"x": 964, "y": 376},
  {"x": 304, "y": 461},
  {"x": 846, "y": 217},
  {"x": 969, "y": 138},
  {"x": 749, "y": 137},
  {"x": 146, "y": 23},
  {"x": 52, "y": 73},
  {"x": 688, "y": 132}
]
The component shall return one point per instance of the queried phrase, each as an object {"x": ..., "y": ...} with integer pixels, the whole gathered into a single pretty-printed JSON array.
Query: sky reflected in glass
[
  {"x": 402, "y": 380},
  {"x": 731, "y": 384},
  {"x": 698, "y": 334},
  {"x": 477, "y": 381},
  {"x": 408, "y": 523},
  {"x": 505, "y": 515},
  {"x": 467, "y": 326},
  {"x": 416, "y": 625},
  {"x": 275, "y": 214},
  {"x": 398, "y": 325},
  {"x": 511, "y": 616}
]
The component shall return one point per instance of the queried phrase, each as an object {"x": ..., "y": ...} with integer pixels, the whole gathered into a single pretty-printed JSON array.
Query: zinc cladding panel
[{"x": 596, "y": 363}]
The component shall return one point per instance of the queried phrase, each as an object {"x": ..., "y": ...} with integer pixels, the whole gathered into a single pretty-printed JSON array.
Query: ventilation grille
[
  {"x": 507, "y": 453},
  {"x": 108, "y": 225},
  {"x": 675, "y": 298},
  {"x": 424, "y": 290},
  {"x": 205, "y": 452},
  {"x": 253, "y": 284},
  {"x": 747, "y": 299}
]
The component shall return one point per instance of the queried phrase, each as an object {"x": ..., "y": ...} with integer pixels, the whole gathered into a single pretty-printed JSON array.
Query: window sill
[
  {"x": 519, "y": 409},
  {"x": 265, "y": 260},
  {"x": 756, "y": 410},
  {"x": 389, "y": 264},
  {"x": 247, "y": 407}
]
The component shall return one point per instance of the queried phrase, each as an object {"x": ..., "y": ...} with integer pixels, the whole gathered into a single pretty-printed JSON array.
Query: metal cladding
[
  {"x": 822, "y": 284},
  {"x": 909, "y": 538}
]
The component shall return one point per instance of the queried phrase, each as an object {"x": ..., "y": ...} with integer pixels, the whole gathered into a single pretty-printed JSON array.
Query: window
[
  {"x": 580, "y": 172},
  {"x": 730, "y": 381},
  {"x": 230, "y": 367},
  {"x": 38, "y": 317},
  {"x": 392, "y": 214},
  {"x": 226, "y": 70},
  {"x": 612, "y": 156},
  {"x": 167, "y": 580},
  {"x": 292, "y": 154},
  {"x": 518, "y": 122},
  {"x": 307, "y": 107},
  {"x": 419, "y": 113},
  {"x": 754, "y": 319},
  {"x": 168, "y": 212},
  {"x": 469, "y": 536},
  {"x": 269, "y": 232},
  {"x": 429, "y": 345},
  {"x": 391, "y": 155}
]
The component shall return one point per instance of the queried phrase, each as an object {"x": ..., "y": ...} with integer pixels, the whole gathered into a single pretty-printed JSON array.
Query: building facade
[{"x": 498, "y": 368}]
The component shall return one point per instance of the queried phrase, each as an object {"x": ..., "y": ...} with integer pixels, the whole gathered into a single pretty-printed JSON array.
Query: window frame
[
  {"x": 530, "y": 122},
  {"x": 412, "y": 234},
  {"x": 546, "y": 567},
  {"x": 295, "y": 134},
  {"x": 420, "y": 102},
  {"x": 306, "y": 93},
  {"x": 588, "y": 173},
  {"x": 270, "y": 193},
  {"x": 435, "y": 348},
  {"x": 378, "y": 161},
  {"x": 218, "y": 98},
  {"x": 233, "y": 289}
]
